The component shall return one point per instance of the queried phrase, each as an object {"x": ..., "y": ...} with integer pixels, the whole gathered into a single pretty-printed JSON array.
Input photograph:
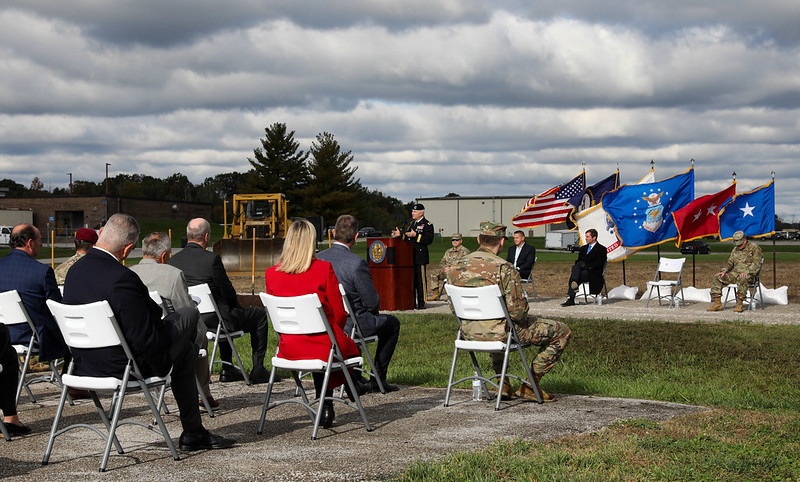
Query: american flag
[{"x": 550, "y": 206}]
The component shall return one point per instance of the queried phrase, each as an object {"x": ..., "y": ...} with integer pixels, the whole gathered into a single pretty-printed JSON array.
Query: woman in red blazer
[{"x": 299, "y": 272}]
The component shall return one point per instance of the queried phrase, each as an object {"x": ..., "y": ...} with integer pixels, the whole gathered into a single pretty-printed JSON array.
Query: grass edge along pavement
[{"x": 746, "y": 372}]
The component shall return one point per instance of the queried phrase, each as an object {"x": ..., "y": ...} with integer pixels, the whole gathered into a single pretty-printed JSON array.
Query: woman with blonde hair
[{"x": 299, "y": 272}]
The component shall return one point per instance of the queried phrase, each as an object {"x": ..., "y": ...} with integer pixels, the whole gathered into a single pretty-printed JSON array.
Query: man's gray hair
[
  {"x": 197, "y": 229},
  {"x": 156, "y": 243},
  {"x": 120, "y": 229}
]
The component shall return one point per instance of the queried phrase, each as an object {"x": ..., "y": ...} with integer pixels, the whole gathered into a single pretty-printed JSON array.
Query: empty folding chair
[
  {"x": 303, "y": 315},
  {"x": 92, "y": 326},
  {"x": 485, "y": 303},
  {"x": 669, "y": 278},
  {"x": 208, "y": 305},
  {"x": 12, "y": 312}
]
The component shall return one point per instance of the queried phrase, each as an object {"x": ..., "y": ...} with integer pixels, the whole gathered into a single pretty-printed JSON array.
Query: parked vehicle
[
  {"x": 695, "y": 247},
  {"x": 5, "y": 235},
  {"x": 561, "y": 239},
  {"x": 368, "y": 232}
]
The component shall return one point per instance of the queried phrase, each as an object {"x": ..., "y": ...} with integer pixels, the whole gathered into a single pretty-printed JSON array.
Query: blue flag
[
  {"x": 642, "y": 213},
  {"x": 752, "y": 212}
]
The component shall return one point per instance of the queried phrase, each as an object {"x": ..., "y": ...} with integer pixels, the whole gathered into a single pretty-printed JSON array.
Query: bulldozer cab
[{"x": 253, "y": 239}]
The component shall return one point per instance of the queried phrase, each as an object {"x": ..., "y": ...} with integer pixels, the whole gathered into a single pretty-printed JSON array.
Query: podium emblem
[{"x": 377, "y": 252}]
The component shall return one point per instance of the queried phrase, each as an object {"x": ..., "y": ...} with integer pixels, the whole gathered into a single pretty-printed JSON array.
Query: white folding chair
[
  {"x": 13, "y": 312},
  {"x": 91, "y": 326},
  {"x": 303, "y": 315},
  {"x": 669, "y": 276},
  {"x": 485, "y": 303},
  {"x": 585, "y": 290},
  {"x": 208, "y": 305},
  {"x": 3, "y": 429},
  {"x": 755, "y": 293},
  {"x": 362, "y": 341},
  {"x": 159, "y": 300}
]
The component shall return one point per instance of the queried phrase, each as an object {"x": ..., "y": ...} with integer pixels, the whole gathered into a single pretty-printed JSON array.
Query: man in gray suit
[
  {"x": 170, "y": 283},
  {"x": 353, "y": 273}
]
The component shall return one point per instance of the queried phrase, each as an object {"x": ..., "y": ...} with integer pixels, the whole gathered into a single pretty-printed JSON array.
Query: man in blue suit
[
  {"x": 158, "y": 344},
  {"x": 35, "y": 283},
  {"x": 353, "y": 273},
  {"x": 588, "y": 267}
]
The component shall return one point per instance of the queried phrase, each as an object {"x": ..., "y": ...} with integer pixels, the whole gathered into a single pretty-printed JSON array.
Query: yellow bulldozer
[{"x": 254, "y": 238}]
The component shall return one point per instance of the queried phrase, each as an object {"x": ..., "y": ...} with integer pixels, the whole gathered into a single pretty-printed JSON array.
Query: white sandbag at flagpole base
[{"x": 778, "y": 296}]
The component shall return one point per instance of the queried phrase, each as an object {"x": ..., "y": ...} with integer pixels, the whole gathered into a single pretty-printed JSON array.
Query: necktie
[{"x": 589, "y": 249}]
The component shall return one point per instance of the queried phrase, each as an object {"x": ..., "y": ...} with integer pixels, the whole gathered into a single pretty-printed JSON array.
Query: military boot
[
  {"x": 526, "y": 391},
  {"x": 717, "y": 303},
  {"x": 739, "y": 302}
]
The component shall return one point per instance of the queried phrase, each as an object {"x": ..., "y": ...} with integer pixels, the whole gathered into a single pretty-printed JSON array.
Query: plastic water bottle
[{"x": 476, "y": 388}]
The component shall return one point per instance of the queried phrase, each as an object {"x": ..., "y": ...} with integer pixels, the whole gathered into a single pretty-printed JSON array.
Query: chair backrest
[
  {"x": 476, "y": 303},
  {"x": 296, "y": 315},
  {"x": 207, "y": 303},
  {"x": 356, "y": 330},
  {"x": 671, "y": 265},
  {"x": 90, "y": 325},
  {"x": 12, "y": 311}
]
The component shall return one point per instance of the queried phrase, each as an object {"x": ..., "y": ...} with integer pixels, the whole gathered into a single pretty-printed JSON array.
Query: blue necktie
[{"x": 589, "y": 248}]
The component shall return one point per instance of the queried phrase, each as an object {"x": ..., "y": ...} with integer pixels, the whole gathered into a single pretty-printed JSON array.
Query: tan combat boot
[
  {"x": 739, "y": 302},
  {"x": 507, "y": 393},
  {"x": 717, "y": 303},
  {"x": 526, "y": 391}
]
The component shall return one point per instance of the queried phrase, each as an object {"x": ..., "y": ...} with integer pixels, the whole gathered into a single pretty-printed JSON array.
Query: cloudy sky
[{"x": 473, "y": 97}]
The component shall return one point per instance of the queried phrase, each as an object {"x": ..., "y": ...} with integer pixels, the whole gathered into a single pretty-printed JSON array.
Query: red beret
[{"x": 86, "y": 234}]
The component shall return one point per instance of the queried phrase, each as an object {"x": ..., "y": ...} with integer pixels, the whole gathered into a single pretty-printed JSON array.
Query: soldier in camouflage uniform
[
  {"x": 743, "y": 264},
  {"x": 84, "y": 240},
  {"x": 438, "y": 275},
  {"x": 484, "y": 267}
]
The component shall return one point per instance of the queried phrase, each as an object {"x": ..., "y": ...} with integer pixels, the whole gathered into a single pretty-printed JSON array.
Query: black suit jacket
[
  {"x": 525, "y": 261},
  {"x": 594, "y": 261},
  {"x": 200, "y": 266},
  {"x": 420, "y": 242},
  {"x": 99, "y": 276}
]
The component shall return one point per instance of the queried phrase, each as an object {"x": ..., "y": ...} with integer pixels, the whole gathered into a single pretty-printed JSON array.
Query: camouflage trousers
[
  {"x": 730, "y": 278},
  {"x": 436, "y": 279},
  {"x": 551, "y": 336}
]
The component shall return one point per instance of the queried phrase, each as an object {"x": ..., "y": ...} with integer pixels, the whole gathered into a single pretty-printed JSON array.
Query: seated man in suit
[
  {"x": 353, "y": 273},
  {"x": 522, "y": 255},
  {"x": 202, "y": 266},
  {"x": 35, "y": 283},
  {"x": 588, "y": 267},
  {"x": 171, "y": 286},
  {"x": 159, "y": 344}
]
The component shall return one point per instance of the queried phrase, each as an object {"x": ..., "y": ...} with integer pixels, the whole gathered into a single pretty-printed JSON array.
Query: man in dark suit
[
  {"x": 353, "y": 273},
  {"x": 158, "y": 344},
  {"x": 420, "y": 234},
  {"x": 35, "y": 283},
  {"x": 522, "y": 255},
  {"x": 589, "y": 267},
  {"x": 202, "y": 266}
]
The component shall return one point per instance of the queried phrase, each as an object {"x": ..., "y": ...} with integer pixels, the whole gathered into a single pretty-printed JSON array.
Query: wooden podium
[{"x": 391, "y": 264}]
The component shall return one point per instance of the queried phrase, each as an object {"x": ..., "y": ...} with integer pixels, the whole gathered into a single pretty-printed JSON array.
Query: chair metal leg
[
  {"x": 267, "y": 396},
  {"x": 356, "y": 398},
  {"x": 450, "y": 378}
]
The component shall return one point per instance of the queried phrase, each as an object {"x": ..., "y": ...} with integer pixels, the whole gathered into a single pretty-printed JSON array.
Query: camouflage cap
[
  {"x": 489, "y": 228},
  {"x": 738, "y": 238},
  {"x": 455, "y": 236}
]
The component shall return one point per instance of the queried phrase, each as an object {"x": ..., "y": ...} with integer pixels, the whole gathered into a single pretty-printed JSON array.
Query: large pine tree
[
  {"x": 281, "y": 164},
  {"x": 332, "y": 188}
]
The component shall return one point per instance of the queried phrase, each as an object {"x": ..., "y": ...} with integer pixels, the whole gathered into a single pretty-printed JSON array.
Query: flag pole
[{"x": 774, "y": 262}]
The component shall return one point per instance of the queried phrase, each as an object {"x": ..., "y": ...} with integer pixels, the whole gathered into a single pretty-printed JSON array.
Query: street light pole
[
  {"x": 107, "y": 164},
  {"x": 70, "y": 182}
]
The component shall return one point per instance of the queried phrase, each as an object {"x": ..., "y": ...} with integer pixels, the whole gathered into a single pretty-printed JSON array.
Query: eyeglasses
[{"x": 455, "y": 240}]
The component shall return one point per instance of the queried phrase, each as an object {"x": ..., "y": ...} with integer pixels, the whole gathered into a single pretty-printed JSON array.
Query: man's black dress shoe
[
  {"x": 387, "y": 387},
  {"x": 204, "y": 441},
  {"x": 326, "y": 421},
  {"x": 569, "y": 302},
  {"x": 14, "y": 429},
  {"x": 258, "y": 376},
  {"x": 230, "y": 375}
]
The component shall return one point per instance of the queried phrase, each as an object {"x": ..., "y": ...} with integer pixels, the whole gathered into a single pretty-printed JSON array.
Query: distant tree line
[{"x": 318, "y": 182}]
